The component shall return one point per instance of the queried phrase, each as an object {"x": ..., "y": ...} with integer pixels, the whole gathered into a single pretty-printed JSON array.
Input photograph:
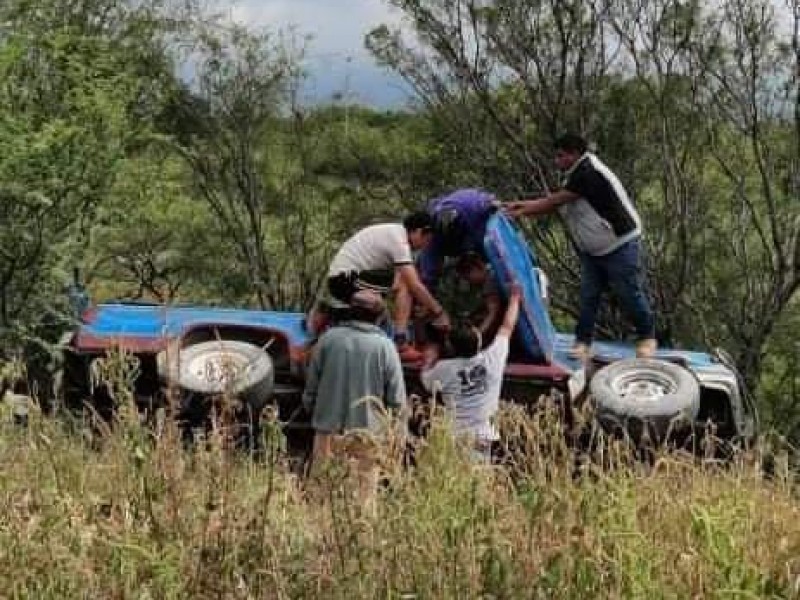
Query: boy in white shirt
[{"x": 470, "y": 381}]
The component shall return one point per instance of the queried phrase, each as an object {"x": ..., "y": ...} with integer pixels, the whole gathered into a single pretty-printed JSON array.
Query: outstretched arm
[
  {"x": 540, "y": 206},
  {"x": 410, "y": 277},
  {"x": 497, "y": 353},
  {"x": 512, "y": 312},
  {"x": 493, "y": 308},
  {"x": 313, "y": 374}
]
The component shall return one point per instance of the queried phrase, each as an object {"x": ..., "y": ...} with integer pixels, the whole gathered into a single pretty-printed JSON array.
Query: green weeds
[{"x": 132, "y": 512}]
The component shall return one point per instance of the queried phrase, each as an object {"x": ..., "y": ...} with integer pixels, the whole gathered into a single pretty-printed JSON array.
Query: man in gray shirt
[
  {"x": 606, "y": 230},
  {"x": 353, "y": 378}
]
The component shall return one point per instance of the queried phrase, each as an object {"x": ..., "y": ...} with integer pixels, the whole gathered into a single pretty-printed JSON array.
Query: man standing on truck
[
  {"x": 379, "y": 258},
  {"x": 606, "y": 230},
  {"x": 353, "y": 378},
  {"x": 470, "y": 380}
]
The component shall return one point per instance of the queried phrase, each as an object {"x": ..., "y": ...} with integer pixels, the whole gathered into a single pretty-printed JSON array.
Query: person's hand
[
  {"x": 430, "y": 354},
  {"x": 442, "y": 322},
  {"x": 515, "y": 294},
  {"x": 515, "y": 209}
]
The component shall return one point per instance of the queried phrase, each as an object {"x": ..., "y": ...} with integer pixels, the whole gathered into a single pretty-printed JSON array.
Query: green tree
[
  {"x": 695, "y": 105},
  {"x": 81, "y": 85},
  {"x": 223, "y": 125}
]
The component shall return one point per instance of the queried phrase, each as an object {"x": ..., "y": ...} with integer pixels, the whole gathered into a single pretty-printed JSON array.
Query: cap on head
[{"x": 368, "y": 301}]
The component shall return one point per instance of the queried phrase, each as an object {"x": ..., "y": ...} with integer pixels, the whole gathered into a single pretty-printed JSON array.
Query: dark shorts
[{"x": 344, "y": 285}]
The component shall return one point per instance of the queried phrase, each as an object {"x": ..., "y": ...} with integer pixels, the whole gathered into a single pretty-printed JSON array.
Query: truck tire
[
  {"x": 221, "y": 366},
  {"x": 645, "y": 397}
]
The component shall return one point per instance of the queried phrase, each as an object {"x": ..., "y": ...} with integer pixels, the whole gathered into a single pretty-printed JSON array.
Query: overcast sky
[{"x": 336, "y": 58}]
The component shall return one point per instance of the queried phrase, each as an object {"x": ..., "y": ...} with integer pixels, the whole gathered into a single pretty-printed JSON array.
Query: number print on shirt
[{"x": 473, "y": 381}]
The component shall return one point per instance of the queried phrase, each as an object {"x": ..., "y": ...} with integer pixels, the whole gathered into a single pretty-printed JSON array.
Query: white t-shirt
[
  {"x": 470, "y": 388},
  {"x": 374, "y": 248}
]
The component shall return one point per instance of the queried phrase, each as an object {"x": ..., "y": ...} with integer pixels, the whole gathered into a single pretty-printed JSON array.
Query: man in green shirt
[{"x": 353, "y": 378}]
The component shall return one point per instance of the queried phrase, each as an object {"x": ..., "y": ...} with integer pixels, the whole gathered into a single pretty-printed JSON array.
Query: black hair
[
  {"x": 464, "y": 342},
  {"x": 571, "y": 142},
  {"x": 418, "y": 220}
]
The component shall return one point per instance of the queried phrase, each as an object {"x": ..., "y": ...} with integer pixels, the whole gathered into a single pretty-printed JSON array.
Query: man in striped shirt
[{"x": 606, "y": 230}]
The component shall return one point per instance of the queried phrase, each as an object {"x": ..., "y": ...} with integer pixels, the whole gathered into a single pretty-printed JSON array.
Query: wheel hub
[
  {"x": 218, "y": 370},
  {"x": 644, "y": 386}
]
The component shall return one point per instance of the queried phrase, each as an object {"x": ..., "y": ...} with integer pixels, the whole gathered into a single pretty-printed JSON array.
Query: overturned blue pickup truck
[{"x": 259, "y": 357}]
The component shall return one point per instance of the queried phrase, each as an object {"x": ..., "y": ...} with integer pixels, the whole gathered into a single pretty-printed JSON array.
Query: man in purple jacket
[{"x": 459, "y": 227}]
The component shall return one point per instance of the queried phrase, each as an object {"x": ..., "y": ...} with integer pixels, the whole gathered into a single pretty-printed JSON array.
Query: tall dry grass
[{"x": 135, "y": 513}]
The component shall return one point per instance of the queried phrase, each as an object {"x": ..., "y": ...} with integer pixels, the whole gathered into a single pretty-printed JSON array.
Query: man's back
[
  {"x": 377, "y": 247},
  {"x": 353, "y": 362},
  {"x": 471, "y": 387}
]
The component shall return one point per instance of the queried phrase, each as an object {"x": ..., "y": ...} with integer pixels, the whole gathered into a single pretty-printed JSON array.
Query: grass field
[{"x": 134, "y": 513}]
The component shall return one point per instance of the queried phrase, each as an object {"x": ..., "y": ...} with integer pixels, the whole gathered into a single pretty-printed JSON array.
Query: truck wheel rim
[
  {"x": 643, "y": 386},
  {"x": 218, "y": 370}
]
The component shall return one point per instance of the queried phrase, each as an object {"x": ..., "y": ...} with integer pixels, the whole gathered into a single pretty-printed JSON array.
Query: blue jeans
[{"x": 622, "y": 272}]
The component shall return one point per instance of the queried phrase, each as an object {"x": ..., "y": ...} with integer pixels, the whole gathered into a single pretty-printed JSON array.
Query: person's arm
[
  {"x": 540, "y": 206},
  {"x": 493, "y": 306},
  {"x": 395, "y": 387},
  {"x": 512, "y": 312},
  {"x": 429, "y": 377},
  {"x": 430, "y": 354},
  {"x": 313, "y": 374},
  {"x": 407, "y": 272},
  {"x": 410, "y": 277},
  {"x": 496, "y": 354}
]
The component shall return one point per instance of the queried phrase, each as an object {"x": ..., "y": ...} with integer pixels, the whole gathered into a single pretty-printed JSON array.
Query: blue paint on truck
[
  {"x": 513, "y": 261},
  {"x": 151, "y": 326}
]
